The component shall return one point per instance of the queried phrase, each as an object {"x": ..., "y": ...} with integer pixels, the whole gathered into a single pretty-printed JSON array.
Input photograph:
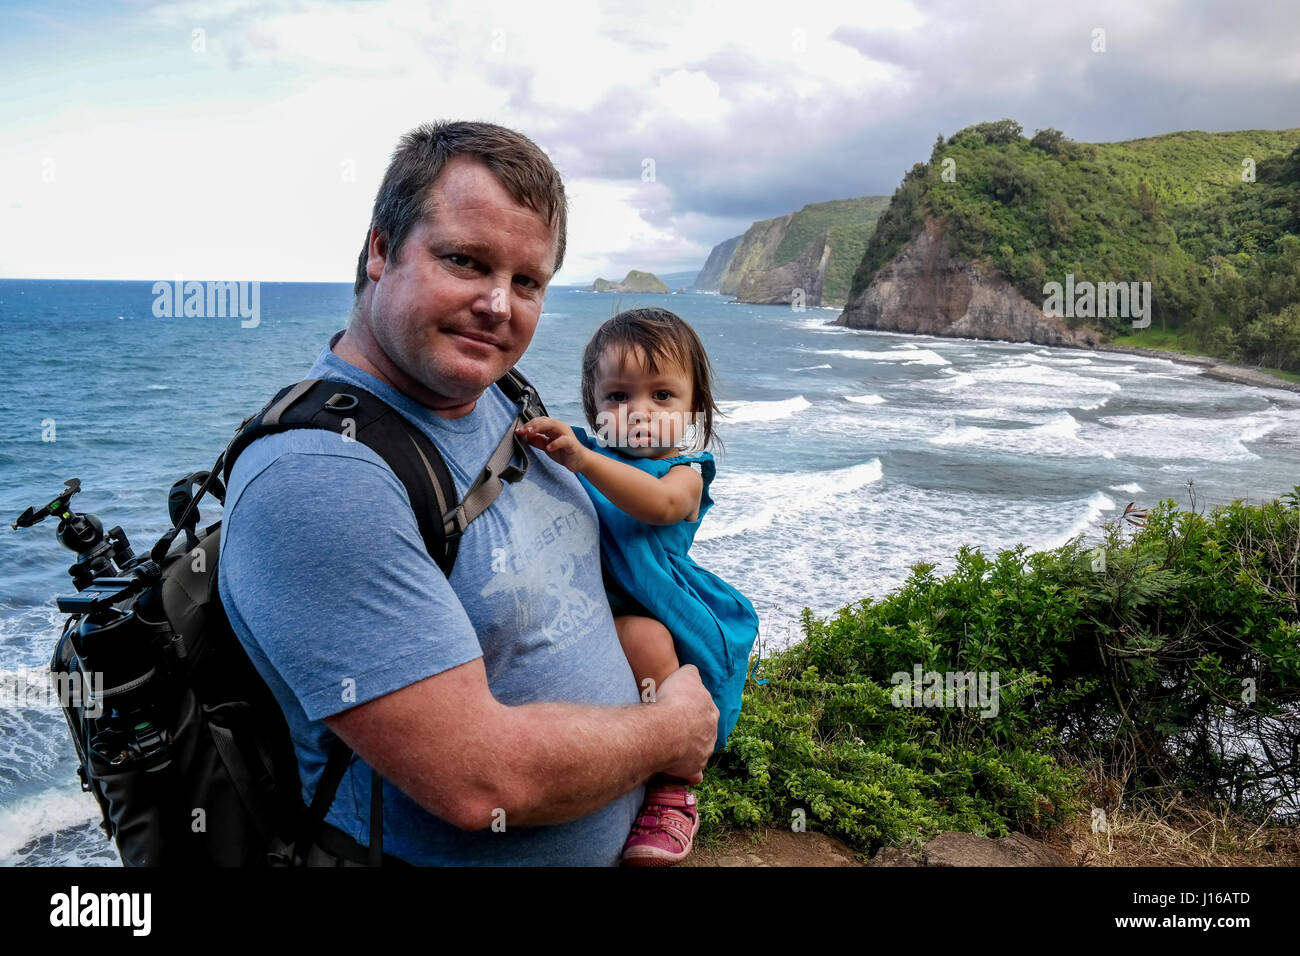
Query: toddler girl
[{"x": 646, "y": 390}]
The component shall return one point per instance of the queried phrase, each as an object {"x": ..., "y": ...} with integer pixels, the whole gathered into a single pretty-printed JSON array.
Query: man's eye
[
  {"x": 460, "y": 255},
  {"x": 530, "y": 282}
]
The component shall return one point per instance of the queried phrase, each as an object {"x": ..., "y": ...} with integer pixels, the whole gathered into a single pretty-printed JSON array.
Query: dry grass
[{"x": 1177, "y": 831}]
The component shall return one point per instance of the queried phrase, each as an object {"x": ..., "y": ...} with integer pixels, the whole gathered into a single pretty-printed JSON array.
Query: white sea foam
[
  {"x": 1058, "y": 437},
  {"x": 42, "y": 813},
  {"x": 1256, "y": 427},
  {"x": 909, "y": 355},
  {"x": 837, "y": 551},
  {"x": 954, "y": 434},
  {"x": 1009, "y": 413},
  {"x": 1058, "y": 358},
  {"x": 764, "y": 411},
  {"x": 1092, "y": 407},
  {"x": 807, "y": 368},
  {"x": 959, "y": 380},
  {"x": 750, "y": 502},
  {"x": 1092, "y": 509},
  {"x": 1031, "y": 373},
  {"x": 865, "y": 399},
  {"x": 29, "y": 632},
  {"x": 1177, "y": 437},
  {"x": 818, "y": 323},
  {"x": 1132, "y": 488},
  {"x": 1019, "y": 384}
]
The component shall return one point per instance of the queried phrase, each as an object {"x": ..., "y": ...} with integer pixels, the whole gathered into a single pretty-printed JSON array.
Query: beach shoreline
[{"x": 1210, "y": 366}]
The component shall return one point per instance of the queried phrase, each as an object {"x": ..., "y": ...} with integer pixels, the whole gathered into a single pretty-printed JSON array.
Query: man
[{"x": 496, "y": 704}]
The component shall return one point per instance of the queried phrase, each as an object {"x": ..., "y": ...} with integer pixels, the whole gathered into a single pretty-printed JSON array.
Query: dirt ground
[
  {"x": 774, "y": 848},
  {"x": 1131, "y": 845}
]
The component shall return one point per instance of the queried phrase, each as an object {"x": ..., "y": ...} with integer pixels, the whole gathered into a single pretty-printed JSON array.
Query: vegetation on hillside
[
  {"x": 847, "y": 224},
  {"x": 1166, "y": 657},
  {"x": 1209, "y": 219}
]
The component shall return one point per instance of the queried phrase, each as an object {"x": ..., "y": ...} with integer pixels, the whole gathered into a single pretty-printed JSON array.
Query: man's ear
[{"x": 378, "y": 254}]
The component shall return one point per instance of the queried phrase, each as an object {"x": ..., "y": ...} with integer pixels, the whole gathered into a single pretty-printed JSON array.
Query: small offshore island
[{"x": 634, "y": 281}]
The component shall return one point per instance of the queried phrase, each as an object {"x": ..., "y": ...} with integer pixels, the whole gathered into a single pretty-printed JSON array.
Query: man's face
[{"x": 461, "y": 305}]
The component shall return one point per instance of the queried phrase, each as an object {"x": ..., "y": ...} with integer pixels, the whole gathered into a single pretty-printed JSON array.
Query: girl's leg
[
  {"x": 648, "y": 646},
  {"x": 665, "y": 830}
]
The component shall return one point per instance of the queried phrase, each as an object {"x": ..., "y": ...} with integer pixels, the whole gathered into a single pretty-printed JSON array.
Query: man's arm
[{"x": 453, "y": 749}]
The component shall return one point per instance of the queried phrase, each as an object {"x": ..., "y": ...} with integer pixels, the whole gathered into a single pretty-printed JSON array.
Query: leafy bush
[{"x": 1169, "y": 658}]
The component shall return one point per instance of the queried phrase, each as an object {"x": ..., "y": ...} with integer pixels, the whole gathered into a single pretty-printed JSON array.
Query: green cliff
[
  {"x": 815, "y": 249},
  {"x": 1208, "y": 219}
]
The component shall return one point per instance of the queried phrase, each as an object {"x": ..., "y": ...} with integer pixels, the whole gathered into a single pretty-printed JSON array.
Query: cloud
[{"x": 231, "y": 161}]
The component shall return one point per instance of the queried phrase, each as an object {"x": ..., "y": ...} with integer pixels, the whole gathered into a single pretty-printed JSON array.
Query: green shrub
[{"x": 1169, "y": 656}]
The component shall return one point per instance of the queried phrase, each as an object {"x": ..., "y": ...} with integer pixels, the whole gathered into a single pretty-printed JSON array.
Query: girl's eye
[
  {"x": 617, "y": 396},
  {"x": 663, "y": 395}
]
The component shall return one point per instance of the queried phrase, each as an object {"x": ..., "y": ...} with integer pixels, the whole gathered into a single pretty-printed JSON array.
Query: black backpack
[{"x": 182, "y": 743}]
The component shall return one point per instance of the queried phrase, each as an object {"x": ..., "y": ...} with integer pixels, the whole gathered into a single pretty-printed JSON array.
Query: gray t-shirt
[{"x": 328, "y": 586}]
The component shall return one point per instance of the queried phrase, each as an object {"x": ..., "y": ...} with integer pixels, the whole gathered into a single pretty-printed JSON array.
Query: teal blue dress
[{"x": 648, "y": 571}]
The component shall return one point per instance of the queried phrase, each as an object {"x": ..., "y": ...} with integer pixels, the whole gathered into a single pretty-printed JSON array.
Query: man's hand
[
  {"x": 682, "y": 689},
  {"x": 557, "y": 440}
]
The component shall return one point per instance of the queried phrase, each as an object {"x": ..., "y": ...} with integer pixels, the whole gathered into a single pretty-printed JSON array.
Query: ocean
[{"x": 848, "y": 457}]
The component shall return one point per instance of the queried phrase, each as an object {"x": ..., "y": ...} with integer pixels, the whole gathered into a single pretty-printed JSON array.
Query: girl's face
[{"x": 640, "y": 413}]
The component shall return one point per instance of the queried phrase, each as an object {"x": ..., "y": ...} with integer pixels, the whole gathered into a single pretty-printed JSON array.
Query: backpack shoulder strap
[
  {"x": 358, "y": 415},
  {"x": 362, "y": 416}
]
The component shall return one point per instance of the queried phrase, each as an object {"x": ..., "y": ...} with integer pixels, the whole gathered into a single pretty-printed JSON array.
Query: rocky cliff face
[
  {"x": 776, "y": 286},
  {"x": 754, "y": 251},
  {"x": 811, "y": 254},
  {"x": 924, "y": 289},
  {"x": 710, "y": 277}
]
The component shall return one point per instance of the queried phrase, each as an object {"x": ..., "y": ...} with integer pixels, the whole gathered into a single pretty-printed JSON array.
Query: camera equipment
[{"x": 107, "y": 638}]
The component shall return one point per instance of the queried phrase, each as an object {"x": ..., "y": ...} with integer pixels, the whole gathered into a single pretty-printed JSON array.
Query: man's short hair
[{"x": 518, "y": 163}]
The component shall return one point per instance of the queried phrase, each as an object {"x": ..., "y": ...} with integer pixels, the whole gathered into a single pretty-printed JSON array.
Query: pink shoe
[{"x": 665, "y": 828}]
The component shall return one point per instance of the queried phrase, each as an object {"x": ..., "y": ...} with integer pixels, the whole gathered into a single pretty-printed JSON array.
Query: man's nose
[{"x": 494, "y": 302}]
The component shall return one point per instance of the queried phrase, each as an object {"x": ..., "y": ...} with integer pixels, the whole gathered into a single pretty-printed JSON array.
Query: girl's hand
[{"x": 557, "y": 440}]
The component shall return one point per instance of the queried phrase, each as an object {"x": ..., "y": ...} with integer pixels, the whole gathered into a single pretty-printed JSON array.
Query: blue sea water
[{"x": 849, "y": 456}]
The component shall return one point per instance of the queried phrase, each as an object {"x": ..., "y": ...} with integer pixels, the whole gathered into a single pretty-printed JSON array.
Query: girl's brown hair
[{"x": 662, "y": 337}]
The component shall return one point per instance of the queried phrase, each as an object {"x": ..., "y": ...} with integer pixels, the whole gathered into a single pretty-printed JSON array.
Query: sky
[{"x": 245, "y": 139}]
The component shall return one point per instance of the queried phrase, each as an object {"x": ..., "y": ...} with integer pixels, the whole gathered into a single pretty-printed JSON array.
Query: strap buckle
[
  {"x": 526, "y": 399},
  {"x": 455, "y": 519},
  {"x": 341, "y": 402}
]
